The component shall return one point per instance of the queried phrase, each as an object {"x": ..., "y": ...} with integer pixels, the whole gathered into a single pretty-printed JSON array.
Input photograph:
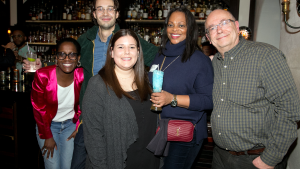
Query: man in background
[
  {"x": 208, "y": 49},
  {"x": 18, "y": 47}
]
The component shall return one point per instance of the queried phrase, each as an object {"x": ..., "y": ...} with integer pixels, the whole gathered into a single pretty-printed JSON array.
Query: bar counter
[{"x": 25, "y": 153}]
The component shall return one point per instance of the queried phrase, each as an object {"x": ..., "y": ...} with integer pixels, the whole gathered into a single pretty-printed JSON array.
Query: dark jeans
[
  {"x": 182, "y": 154},
  {"x": 79, "y": 153},
  {"x": 222, "y": 159}
]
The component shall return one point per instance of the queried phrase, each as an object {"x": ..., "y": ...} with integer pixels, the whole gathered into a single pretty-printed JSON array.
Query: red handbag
[{"x": 180, "y": 130}]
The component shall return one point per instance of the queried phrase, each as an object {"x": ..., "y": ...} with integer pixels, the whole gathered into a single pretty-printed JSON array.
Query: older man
[{"x": 256, "y": 103}]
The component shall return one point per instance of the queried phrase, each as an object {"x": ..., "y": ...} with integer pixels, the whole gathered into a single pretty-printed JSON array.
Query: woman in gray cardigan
[{"x": 118, "y": 121}]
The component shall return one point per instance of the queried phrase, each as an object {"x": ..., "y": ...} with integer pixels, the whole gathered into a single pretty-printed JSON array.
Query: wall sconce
[{"x": 286, "y": 8}]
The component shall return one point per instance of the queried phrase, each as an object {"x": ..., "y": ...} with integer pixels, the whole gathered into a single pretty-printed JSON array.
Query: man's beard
[
  {"x": 21, "y": 44},
  {"x": 107, "y": 27}
]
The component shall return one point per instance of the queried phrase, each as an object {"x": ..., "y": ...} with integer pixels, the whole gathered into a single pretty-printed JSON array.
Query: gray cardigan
[{"x": 109, "y": 126}]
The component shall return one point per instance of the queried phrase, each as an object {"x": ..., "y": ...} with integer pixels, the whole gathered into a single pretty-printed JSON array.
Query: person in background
[
  {"x": 187, "y": 84},
  {"x": 208, "y": 49},
  {"x": 94, "y": 45},
  {"x": 256, "y": 103},
  {"x": 55, "y": 101},
  {"x": 18, "y": 46},
  {"x": 118, "y": 123}
]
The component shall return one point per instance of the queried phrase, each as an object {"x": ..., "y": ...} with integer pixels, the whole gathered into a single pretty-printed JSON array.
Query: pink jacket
[{"x": 44, "y": 98}]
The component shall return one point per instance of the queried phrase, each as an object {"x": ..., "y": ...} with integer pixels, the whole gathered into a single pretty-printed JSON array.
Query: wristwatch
[{"x": 174, "y": 101}]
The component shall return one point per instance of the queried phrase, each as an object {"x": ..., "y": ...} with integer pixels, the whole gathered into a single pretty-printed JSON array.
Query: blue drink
[
  {"x": 158, "y": 77},
  {"x": 157, "y": 81}
]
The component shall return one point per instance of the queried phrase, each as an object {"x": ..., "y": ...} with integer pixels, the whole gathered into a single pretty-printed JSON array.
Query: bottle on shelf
[
  {"x": 208, "y": 9},
  {"x": 198, "y": 9},
  {"x": 30, "y": 13},
  {"x": 82, "y": 10},
  {"x": 150, "y": 13},
  {"x": 159, "y": 12},
  {"x": 64, "y": 14},
  {"x": 33, "y": 13},
  {"x": 203, "y": 10}
]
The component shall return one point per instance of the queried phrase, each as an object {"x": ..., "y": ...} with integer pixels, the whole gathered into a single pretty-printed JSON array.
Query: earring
[{"x": 79, "y": 64}]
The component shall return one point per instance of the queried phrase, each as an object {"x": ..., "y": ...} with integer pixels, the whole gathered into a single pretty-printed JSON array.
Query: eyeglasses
[
  {"x": 223, "y": 24},
  {"x": 16, "y": 36},
  {"x": 62, "y": 55},
  {"x": 110, "y": 10}
]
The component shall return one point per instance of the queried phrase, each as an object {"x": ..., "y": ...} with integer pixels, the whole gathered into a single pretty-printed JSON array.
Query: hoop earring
[{"x": 79, "y": 64}]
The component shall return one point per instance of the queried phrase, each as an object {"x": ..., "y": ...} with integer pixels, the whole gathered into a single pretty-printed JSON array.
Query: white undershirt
[{"x": 65, "y": 97}]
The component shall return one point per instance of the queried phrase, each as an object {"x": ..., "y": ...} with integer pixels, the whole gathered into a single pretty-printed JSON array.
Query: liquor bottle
[
  {"x": 142, "y": 33},
  {"x": 147, "y": 36},
  {"x": 74, "y": 12},
  {"x": 150, "y": 13},
  {"x": 88, "y": 12},
  {"x": 34, "y": 37},
  {"x": 145, "y": 13},
  {"x": 192, "y": 9},
  {"x": 220, "y": 5},
  {"x": 159, "y": 12},
  {"x": 8, "y": 72},
  {"x": 203, "y": 10},
  {"x": 48, "y": 14},
  {"x": 33, "y": 14},
  {"x": 69, "y": 15},
  {"x": 30, "y": 13},
  {"x": 54, "y": 37},
  {"x": 82, "y": 10},
  {"x": 45, "y": 13},
  {"x": 208, "y": 9},
  {"x": 22, "y": 78},
  {"x": 198, "y": 8},
  {"x": 159, "y": 34},
  {"x": 214, "y": 5},
  {"x": 45, "y": 35},
  {"x": 40, "y": 16},
  {"x": 51, "y": 13},
  {"x": 129, "y": 12},
  {"x": 140, "y": 14},
  {"x": 30, "y": 37},
  {"x": 64, "y": 17},
  {"x": 134, "y": 13},
  {"x": 142, "y": 5},
  {"x": 78, "y": 11},
  {"x": 48, "y": 35},
  {"x": 37, "y": 12},
  {"x": 165, "y": 10}
]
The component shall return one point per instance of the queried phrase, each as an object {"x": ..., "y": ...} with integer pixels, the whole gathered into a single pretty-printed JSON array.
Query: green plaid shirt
[{"x": 256, "y": 102}]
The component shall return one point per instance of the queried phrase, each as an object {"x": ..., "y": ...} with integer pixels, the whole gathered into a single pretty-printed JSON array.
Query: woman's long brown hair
[{"x": 140, "y": 76}]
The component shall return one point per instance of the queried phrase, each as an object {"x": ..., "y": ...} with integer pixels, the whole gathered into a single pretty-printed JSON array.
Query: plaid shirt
[{"x": 256, "y": 102}]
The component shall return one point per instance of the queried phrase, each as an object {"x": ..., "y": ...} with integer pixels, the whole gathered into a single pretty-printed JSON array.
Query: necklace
[{"x": 168, "y": 64}]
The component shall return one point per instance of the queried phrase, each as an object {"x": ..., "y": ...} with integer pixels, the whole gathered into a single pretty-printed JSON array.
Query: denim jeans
[
  {"x": 62, "y": 157},
  {"x": 182, "y": 154},
  {"x": 79, "y": 154}
]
